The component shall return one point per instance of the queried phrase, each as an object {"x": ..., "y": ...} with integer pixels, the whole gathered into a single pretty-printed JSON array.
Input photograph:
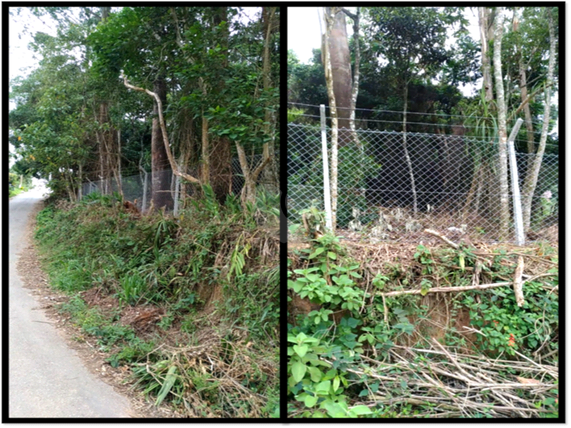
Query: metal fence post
[
  {"x": 145, "y": 185},
  {"x": 176, "y": 195},
  {"x": 518, "y": 217},
  {"x": 326, "y": 189}
]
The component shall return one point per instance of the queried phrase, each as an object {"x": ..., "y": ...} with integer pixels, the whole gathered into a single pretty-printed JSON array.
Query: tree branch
[
  {"x": 524, "y": 102},
  {"x": 172, "y": 162}
]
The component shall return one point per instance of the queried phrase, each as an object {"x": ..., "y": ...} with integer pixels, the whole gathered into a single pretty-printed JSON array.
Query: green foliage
[
  {"x": 210, "y": 58},
  {"x": 507, "y": 328}
]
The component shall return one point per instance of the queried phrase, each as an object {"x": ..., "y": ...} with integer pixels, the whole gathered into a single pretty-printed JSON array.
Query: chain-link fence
[
  {"x": 137, "y": 187},
  {"x": 393, "y": 185}
]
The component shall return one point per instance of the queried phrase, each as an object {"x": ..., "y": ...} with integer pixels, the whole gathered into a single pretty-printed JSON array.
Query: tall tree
[
  {"x": 502, "y": 126},
  {"x": 530, "y": 183},
  {"x": 356, "y": 17},
  {"x": 485, "y": 21},
  {"x": 412, "y": 41},
  {"x": 338, "y": 48},
  {"x": 329, "y": 18},
  {"x": 270, "y": 27}
]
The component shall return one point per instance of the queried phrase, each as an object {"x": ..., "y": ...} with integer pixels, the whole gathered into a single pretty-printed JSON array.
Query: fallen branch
[
  {"x": 446, "y": 289},
  {"x": 442, "y": 380},
  {"x": 444, "y": 238}
]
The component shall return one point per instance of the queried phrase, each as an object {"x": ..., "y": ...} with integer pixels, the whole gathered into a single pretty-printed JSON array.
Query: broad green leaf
[
  {"x": 361, "y": 410},
  {"x": 323, "y": 387},
  {"x": 315, "y": 374},
  {"x": 336, "y": 383},
  {"x": 298, "y": 370},
  {"x": 310, "y": 401},
  {"x": 300, "y": 350},
  {"x": 317, "y": 252}
]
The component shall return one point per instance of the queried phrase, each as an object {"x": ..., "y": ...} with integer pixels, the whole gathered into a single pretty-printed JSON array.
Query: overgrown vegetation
[
  {"x": 381, "y": 331},
  {"x": 190, "y": 305}
]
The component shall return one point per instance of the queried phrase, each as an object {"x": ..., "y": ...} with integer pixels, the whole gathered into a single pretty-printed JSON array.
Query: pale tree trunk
[
  {"x": 530, "y": 182},
  {"x": 340, "y": 58},
  {"x": 524, "y": 95},
  {"x": 160, "y": 178},
  {"x": 485, "y": 36},
  {"x": 502, "y": 129},
  {"x": 119, "y": 178},
  {"x": 526, "y": 109},
  {"x": 356, "y": 72},
  {"x": 159, "y": 96},
  {"x": 334, "y": 121},
  {"x": 248, "y": 195}
]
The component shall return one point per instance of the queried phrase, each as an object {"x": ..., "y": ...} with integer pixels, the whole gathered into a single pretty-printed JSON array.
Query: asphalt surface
[{"x": 46, "y": 378}]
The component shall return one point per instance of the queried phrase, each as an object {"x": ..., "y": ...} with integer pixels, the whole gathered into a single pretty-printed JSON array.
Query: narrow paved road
[{"x": 46, "y": 378}]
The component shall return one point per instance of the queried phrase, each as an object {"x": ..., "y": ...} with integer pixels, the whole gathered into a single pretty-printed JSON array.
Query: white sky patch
[
  {"x": 22, "y": 59},
  {"x": 303, "y": 33}
]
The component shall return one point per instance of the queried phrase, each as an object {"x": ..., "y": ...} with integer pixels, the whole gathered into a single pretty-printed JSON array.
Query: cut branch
[
  {"x": 447, "y": 289},
  {"x": 444, "y": 238},
  {"x": 518, "y": 283}
]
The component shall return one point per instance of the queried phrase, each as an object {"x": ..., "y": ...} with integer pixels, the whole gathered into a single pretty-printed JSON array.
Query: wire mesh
[
  {"x": 393, "y": 185},
  {"x": 137, "y": 187}
]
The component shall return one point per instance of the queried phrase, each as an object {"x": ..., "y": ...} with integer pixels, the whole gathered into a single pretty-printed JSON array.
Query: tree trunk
[
  {"x": 220, "y": 153},
  {"x": 205, "y": 169},
  {"x": 248, "y": 195},
  {"x": 162, "y": 127},
  {"x": 356, "y": 72},
  {"x": 524, "y": 95},
  {"x": 406, "y": 154},
  {"x": 485, "y": 35},
  {"x": 161, "y": 176},
  {"x": 530, "y": 182},
  {"x": 270, "y": 175},
  {"x": 334, "y": 121},
  {"x": 502, "y": 129},
  {"x": 119, "y": 178},
  {"x": 105, "y": 174},
  {"x": 80, "y": 185},
  {"x": 340, "y": 58},
  {"x": 221, "y": 168}
]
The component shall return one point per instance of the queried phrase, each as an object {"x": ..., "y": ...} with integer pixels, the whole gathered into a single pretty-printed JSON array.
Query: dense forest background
[
  {"x": 83, "y": 114},
  {"x": 444, "y": 60}
]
